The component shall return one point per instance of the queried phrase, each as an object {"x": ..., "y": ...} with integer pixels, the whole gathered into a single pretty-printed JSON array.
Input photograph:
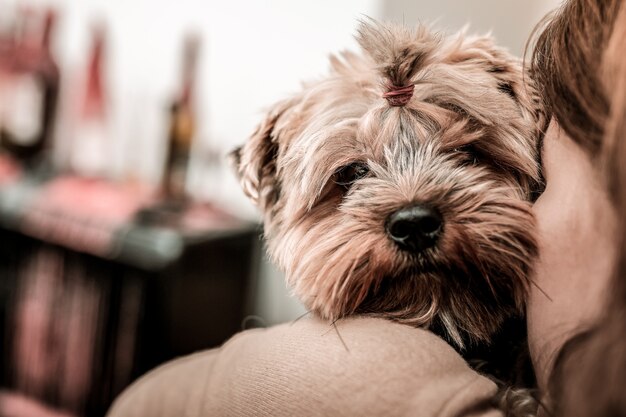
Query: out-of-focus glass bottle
[
  {"x": 31, "y": 86},
  {"x": 7, "y": 39},
  {"x": 91, "y": 136},
  {"x": 182, "y": 126}
]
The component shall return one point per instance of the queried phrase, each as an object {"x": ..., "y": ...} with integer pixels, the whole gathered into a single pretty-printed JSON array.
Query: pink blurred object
[
  {"x": 80, "y": 318},
  {"x": 29, "y": 82},
  {"x": 104, "y": 202},
  {"x": 34, "y": 360},
  {"x": 16, "y": 405},
  {"x": 206, "y": 217},
  {"x": 9, "y": 170},
  {"x": 90, "y": 130},
  {"x": 83, "y": 214}
]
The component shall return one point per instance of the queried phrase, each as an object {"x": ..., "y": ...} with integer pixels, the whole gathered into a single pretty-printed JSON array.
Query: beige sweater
[{"x": 376, "y": 368}]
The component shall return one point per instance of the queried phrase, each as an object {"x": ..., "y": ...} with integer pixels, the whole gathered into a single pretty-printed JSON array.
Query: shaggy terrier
[{"x": 400, "y": 185}]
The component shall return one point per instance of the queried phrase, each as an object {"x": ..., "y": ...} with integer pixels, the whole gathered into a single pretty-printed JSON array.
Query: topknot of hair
[{"x": 398, "y": 52}]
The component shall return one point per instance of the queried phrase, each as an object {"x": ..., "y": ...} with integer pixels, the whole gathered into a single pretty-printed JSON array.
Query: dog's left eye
[
  {"x": 348, "y": 174},
  {"x": 470, "y": 152}
]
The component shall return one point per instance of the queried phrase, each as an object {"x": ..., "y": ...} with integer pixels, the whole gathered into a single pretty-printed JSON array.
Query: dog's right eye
[{"x": 348, "y": 174}]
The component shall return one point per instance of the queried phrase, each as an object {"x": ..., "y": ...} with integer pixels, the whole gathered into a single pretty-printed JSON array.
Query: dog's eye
[
  {"x": 348, "y": 174},
  {"x": 470, "y": 153}
]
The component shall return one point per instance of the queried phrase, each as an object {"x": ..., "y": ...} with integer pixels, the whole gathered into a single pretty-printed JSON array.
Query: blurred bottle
[
  {"x": 7, "y": 38},
  {"x": 90, "y": 152},
  {"x": 30, "y": 88},
  {"x": 7, "y": 34},
  {"x": 182, "y": 126}
]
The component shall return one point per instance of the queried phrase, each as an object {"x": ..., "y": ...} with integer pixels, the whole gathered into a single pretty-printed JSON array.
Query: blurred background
[{"x": 125, "y": 240}]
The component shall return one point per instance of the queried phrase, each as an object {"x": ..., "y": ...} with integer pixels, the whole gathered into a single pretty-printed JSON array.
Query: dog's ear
[
  {"x": 519, "y": 85},
  {"x": 506, "y": 69},
  {"x": 255, "y": 161}
]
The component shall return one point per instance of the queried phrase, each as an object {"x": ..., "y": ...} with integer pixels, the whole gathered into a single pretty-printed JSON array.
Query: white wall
[{"x": 510, "y": 21}]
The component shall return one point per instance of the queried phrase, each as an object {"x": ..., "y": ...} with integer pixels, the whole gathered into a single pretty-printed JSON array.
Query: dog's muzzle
[{"x": 415, "y": 228}]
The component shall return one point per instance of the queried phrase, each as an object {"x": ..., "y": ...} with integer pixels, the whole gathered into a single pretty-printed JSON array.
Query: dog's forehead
[
  {"x": 344, "y": 116},
  {"x": 338, "y": 109}
]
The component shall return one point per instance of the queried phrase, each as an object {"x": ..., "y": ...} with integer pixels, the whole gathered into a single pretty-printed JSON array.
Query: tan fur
[{"x": 464, "y": 143}]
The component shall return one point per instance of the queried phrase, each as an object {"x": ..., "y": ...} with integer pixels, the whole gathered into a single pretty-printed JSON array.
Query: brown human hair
[
  {"x": 579, "y": 63},
  {"x": 566, "y": 64}
]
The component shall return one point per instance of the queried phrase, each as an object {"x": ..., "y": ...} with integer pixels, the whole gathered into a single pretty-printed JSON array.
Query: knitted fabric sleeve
[{"x": 364, "y": 367}]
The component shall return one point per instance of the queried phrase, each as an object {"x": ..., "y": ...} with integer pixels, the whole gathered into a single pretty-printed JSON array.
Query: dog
[{"x": 400, "y": 185}]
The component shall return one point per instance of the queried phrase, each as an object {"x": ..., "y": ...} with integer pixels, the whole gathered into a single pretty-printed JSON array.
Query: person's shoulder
[
  {"x": 354, "y": 367},
  {"x": 357, "y": 340},
  {"x": 360, "y": 364}
]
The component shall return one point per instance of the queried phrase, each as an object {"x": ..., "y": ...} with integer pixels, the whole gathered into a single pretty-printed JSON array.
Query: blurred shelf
[{"x": 120, "y": 222}]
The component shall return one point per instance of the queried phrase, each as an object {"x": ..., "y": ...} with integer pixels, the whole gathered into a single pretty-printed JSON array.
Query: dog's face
[{"x": 411, "y": 206}]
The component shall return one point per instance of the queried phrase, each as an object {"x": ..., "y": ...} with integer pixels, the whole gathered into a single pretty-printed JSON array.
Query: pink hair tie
[{"x": 399, "y": 96}]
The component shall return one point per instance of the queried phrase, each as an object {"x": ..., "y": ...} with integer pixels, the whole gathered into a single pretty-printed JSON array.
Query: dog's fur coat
[{"x": 329, "y": 165}]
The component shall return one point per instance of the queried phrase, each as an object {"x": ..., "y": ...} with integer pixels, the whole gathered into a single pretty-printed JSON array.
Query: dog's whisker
[
  {"x": 330, "y": 326},
  {"x": 294, "y": 321},
  {"x": 541, "y": 290},
  {"x": 339, "y": 336}
]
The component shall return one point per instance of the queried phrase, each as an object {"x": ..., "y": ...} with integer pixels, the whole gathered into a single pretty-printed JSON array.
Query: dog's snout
[{"x": 415, "y": 228}]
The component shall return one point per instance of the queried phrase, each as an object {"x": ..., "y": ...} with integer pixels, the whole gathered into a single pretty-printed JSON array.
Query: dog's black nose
[{"x": 415, "y": 228}]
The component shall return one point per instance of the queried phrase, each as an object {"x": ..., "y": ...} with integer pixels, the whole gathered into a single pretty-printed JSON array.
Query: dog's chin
[
  {"x": 423, "y": 295},
  {"x": 417, "y": 264},
  {"x": 419, "y": 289}
]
